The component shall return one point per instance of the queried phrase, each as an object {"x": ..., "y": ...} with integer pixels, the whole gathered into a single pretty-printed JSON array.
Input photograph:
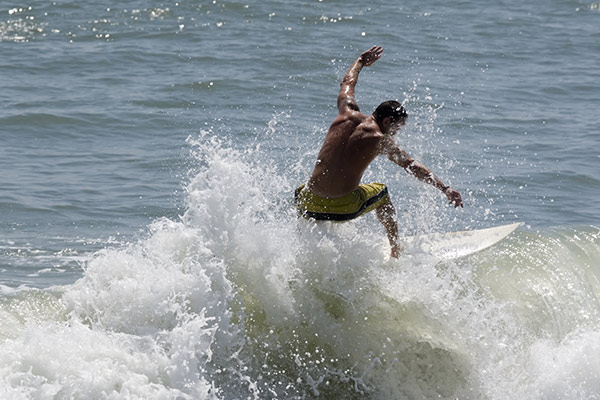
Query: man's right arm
[
  {"x": 346, "y": 100},
  {"x": 421, "y": 172}
]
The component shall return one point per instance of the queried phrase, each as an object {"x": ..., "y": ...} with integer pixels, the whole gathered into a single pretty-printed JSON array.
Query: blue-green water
[{"x": 148, "y": 242}]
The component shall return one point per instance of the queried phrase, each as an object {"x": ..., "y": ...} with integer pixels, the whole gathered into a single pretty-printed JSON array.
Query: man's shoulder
[
  {"x": 347, "y": 122},
  {"x": 369, "y": 128},
  {"x": 367, "y": 137},
  {"x": 351, "y": 115}
]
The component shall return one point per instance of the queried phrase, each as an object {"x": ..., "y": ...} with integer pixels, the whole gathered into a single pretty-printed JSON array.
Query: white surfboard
[{"x": 448, "y": 246}]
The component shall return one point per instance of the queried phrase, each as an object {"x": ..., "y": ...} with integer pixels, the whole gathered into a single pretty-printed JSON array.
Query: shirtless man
[{"x": 334, "y": 192}]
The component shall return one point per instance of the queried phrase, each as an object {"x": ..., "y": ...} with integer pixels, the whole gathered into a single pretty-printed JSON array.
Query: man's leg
[{"x": 387, "y": 216}]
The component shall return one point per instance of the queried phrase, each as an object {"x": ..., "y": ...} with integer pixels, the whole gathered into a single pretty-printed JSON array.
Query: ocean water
[{"x": 149, "y": 248}]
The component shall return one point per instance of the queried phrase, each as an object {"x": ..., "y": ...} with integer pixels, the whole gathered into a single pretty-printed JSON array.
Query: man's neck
[{"x": 381, "y": 128}]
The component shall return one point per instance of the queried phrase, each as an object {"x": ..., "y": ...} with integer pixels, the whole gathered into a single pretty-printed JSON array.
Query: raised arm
[
  {"x": 421, "y": 172},
  {"x": 346, "y": 99}
]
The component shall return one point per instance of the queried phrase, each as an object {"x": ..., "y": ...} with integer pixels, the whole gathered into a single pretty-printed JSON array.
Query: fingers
[
  {"x": 377, "y": 51},
  {"x": 457, "y": 202},
  {"x": 372, "y": 55}
]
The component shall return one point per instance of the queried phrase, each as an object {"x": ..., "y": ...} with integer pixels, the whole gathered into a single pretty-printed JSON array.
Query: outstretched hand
[
  {"x": 371, "y": 55},
  {"x": 454, "y": 197}
]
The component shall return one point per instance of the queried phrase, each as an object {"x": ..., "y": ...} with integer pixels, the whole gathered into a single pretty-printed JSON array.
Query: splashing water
[{"x": 240, "y": 299}]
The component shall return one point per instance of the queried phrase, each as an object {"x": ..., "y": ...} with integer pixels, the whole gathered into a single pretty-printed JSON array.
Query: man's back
[{"x": 352, "y": 142}]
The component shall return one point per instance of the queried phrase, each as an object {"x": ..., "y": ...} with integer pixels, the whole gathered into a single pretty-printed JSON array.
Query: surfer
[{"x": 334, "y": 191}]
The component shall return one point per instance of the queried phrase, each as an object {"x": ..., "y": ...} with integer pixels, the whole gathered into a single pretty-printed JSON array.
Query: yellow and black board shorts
[{"x": 364, "y": 199}]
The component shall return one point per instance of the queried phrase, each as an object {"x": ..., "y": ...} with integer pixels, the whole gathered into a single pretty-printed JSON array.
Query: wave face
[{"x": 240, "y": 299}]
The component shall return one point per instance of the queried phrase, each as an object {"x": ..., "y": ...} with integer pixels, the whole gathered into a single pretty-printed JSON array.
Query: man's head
[{"x": 390, "y": 115}]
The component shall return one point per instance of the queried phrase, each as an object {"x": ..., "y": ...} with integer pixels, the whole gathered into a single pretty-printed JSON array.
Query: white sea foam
[
  {"x": 568, "y": 369},
  {"x": 240, "y": 299}
]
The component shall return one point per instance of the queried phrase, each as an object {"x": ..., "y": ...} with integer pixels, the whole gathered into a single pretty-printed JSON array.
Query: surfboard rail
[{"x": 454, "y": 245}]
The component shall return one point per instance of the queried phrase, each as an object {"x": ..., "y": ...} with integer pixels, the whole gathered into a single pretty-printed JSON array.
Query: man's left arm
[{"x": 421, "y": 172}]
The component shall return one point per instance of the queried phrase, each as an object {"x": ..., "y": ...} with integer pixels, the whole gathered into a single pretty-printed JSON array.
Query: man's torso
[{"x": 352, "y": 142}]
